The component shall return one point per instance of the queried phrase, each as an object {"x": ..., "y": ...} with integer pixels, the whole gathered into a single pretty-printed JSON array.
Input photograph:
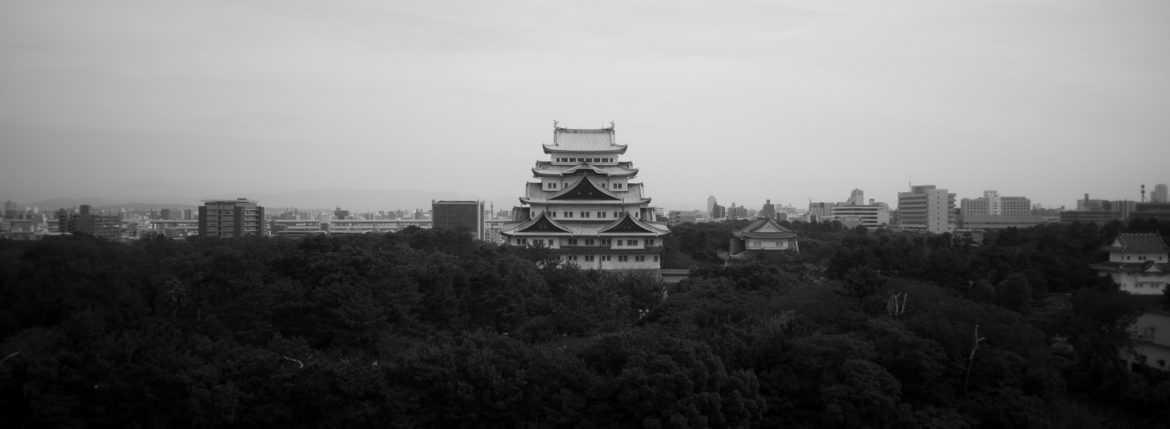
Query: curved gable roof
[
  {"x": 584, "y": 140},
  {"x": 765, "y": 228},
  {"x": 629, "y": 225},
  {"x": 585, "y": 189},
  {"x": 542, "y": 224}
]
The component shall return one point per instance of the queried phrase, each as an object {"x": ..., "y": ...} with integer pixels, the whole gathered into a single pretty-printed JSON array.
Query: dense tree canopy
[{"x": 432, "y": 329}]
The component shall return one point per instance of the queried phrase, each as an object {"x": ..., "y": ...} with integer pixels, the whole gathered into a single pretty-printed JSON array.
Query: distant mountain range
[{"x": 354, "y": 200}]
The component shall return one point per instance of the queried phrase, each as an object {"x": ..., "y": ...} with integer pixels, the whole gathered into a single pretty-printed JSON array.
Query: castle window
[
  {"x": 631, "y": 242},
  {"x": 588, "y": 258},
  {"x": 572, "y": 241}
]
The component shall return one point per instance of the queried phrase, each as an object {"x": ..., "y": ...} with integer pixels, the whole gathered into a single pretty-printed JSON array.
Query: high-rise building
[
  {"x": 718, "y": 211},
  {"x": 455, "y": 215},
  {"x": 856, "y": 198},
  {"x": 583, "y": 206},
  {"x": 769, "y": 210},
  {"x": 737, "y": 212},
  {"x": 711, "y": 203},
  {"x": 926, "y": 208},
  {"x": 231, "y": 218},
  {"x": 1160, "y": 194}
]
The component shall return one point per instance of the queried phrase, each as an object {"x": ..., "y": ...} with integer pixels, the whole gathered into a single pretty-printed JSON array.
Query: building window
[
  {"x": 584, "y": 214},
  {"x": 521, "y": 241},
  {"x": 588, "y": 258},
  {"x": 623, "y": 258},
  {"x": 605, "y": 257},
  {"x": 601, "y": 214},
  {"x": 655, "y": 258},
  {"x": 588, "y": 241},
  {"x": 572, "y": 241},
  {"x": 649, "y": 241},
  {"x": 617, "y": 214},
  {"x": 605, "y": 242},
  {"x": 640, "y": 258},
  {"x": 631, "y": 242},
  {"x": 568, "y": 214},
  {"x": 552, "y": 214}
]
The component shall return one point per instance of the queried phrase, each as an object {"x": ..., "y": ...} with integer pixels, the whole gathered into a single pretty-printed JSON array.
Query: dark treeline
[{"x": 431, "y": 329}]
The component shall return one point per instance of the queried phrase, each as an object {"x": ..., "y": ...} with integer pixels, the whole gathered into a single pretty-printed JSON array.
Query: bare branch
[{"x": 299, "y": 363}]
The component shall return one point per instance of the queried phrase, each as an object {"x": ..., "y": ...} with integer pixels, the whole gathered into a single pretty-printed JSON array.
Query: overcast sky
[{"x": 744, "y": 100}]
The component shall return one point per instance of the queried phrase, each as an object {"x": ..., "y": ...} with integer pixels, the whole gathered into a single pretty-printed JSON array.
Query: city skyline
[{"x": 789, "y": 101}]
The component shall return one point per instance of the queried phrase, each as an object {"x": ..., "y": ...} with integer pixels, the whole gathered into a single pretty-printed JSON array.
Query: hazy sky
[{"x": 745, "y": 100}]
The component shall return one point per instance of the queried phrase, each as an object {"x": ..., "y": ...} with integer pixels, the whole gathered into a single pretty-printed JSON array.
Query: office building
[
  {"x": 584, "y": 206},
  {"x": 1098, "y": 211},
  {"x": 231, "y": 218},
  {"x": 992, "y": 204},
  {"x": 458, "y": 215},
  {"x": 926, "y": 208},
  {"x": 853, "y": 212}
]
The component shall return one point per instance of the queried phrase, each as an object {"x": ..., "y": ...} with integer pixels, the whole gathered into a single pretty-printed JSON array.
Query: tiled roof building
[
  {"x": 761, "y": 235},
  {"x": 582, "y": 205},
  {"x": 1138, "y": 263}
]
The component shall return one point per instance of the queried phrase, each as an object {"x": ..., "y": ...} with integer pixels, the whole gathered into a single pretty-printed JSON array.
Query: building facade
[
  {"x": 454, "y": 215},
  {"x": 231, "y": 218},
  {"x": 583, "y": 206},
  {"x": 992, "y": 204},
  {"x": 926, "y": 208}
]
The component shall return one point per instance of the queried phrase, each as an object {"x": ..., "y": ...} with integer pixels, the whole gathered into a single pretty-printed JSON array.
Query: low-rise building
[
  {"x": 853, "y": 212},
  {"x": 762, "y": 234}
]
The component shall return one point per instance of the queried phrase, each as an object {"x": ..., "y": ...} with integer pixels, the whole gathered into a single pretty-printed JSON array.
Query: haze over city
[{"x": 788, "y": 100}]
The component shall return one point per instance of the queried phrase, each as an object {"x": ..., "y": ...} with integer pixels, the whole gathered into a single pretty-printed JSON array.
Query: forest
[{"x": 420, "y": 328}]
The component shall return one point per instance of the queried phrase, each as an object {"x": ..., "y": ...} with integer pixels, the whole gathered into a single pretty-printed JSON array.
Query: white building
[
  {"x": 1138, "y": 263},
  {"x": 584, "y": 206},
  {"x": 926, "y": 208},
  {"x": 853, "y": 212}
]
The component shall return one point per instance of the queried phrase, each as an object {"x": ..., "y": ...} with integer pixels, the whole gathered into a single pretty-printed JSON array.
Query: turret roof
[
  {"x": 764, "y": 228},
  {"x": 1138, "y": 243},
  {"x": 584, "y": 140}
]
